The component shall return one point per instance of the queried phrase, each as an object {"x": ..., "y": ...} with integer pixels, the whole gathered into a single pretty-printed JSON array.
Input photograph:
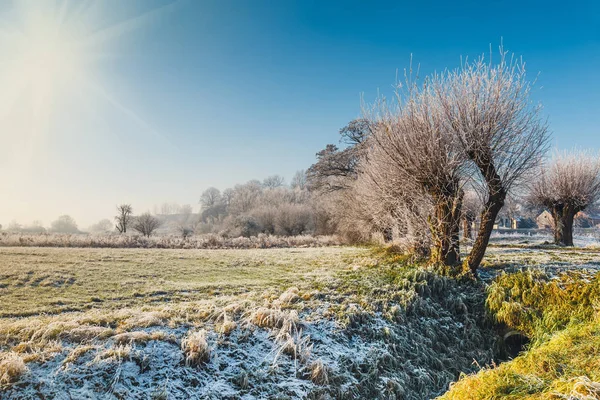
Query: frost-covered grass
[
  {"x": 316, "y": 323},
  {"x": 206, "y": 241},
  {"x": 54, "y": 280},
  {"x": 297, "y": 323}
]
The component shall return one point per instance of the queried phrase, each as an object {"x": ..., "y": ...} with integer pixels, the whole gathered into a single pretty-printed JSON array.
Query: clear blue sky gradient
[{"x": 235, "y": 90}]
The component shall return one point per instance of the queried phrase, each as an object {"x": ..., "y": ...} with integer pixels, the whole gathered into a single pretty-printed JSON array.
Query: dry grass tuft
[
  {"x": 87, "y": 333},
  {"x": 195, "y": 347},
  {"x": 118, "y": 353},
  {"x": 139, "y": 337},
  {"x": 226, "y": 327},
  {"x": 319, "y": 373},
  {"x": 145, "y": 320},
  {"x": 76, "y": 353},
  {"x": 267, "y": 317},
  {"x": 12, "y": 367},
  {"x": 289, "y": 296}
]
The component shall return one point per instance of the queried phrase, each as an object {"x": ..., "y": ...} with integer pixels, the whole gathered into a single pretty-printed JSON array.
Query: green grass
[
  {"x": 560, "y": 314},
  {"x": 55, "y": 280}
]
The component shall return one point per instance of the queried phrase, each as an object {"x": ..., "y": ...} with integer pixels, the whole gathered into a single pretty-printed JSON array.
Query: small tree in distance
[
  {"x": 64, "y": 224},
  {"x": 273, "y": 182},
  {"x": 567, "y": 186},
  {"x": 146, "y": 224},
  {"x": 123, "y": 218}
]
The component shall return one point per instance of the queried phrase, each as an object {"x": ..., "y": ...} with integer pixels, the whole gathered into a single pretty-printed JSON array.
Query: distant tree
[
  {"x": 35, "y": 227},
  {"x": 470, "y": 209},
  {"x": 146, "y": 224},
  {"x": 14, "y": 226},
  {"x": 185, "y": 223},
  {"x": 334, "y": 170},
  {"x": 123, "y": 217},
  {"x": 570, "y": 184},
  {"x": 210, "y": 197},
  {"x": 102, "y": 226},
  {"x": 64, "y": 224},
  {"x": 357, "y": 131},
  {"x": 245, "y": 197},
  {"x": 299, "y": 180},
  {"x": 186, "y": 209},
  {"x": 273, "y": 181},
  {"x": 169, "y": 208},
  {"x": 227, "y": 196}
]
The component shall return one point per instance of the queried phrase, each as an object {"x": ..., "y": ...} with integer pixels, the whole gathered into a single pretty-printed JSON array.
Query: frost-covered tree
[
  {"x": 486, "y": 105},
  {"x": 102, "y": 226},
  {"x": 210, "y": 197},
  {"x": 411, "y": 155},
  {"x": 146, "y": 224},
  {"x": 64, "y": 224},
  {"x": 568, "y": 185},
  {"x": 123, "y": 217},
  {"x": 273, "y": 181},
  {"x": 299, "y": 180}
]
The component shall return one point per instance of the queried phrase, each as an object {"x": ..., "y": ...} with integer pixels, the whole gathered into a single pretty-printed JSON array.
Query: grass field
[
  {"x": 317, "y": 323},
  {"x": 54, "y": 280}
]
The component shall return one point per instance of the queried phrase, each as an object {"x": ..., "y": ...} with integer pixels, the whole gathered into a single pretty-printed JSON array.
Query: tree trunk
[
  {"x": 467, "y": 231},
  {"x": 488, "y": 218},
  {"x": 388, "y": 234},
  {"x": 496, "y": 196},
  {"x": 563, "y": 216},
  {"x": 445, "y": 228}
]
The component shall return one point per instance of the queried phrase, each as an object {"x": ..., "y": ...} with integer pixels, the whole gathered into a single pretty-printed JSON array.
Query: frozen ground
[{"x": 297, "y": 323}]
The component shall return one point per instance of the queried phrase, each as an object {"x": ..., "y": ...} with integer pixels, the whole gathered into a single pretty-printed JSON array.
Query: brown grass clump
[
  {"x": 267, "y": 317},
  {"x": 145, "y": 319},
  {"x": 54, "y": 330},
  {"x": 138, "y": 337},
  {"x": 226, "y": 327},
  {"x": 76, "y": 353},
  {"x": 12, "y": 367},
  {"x": 195, "y": 347},
  {"x": 87, "y": 333},
  {"x": 319, "y": 373},
  {"x": 117, "y": 353},
  {"x": 289, "y": 296}
]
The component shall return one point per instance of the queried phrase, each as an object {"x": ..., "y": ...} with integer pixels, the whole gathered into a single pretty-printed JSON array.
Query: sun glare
[
  {"x": 50, "y": 63},
  {"x": 49, "y": 53}
]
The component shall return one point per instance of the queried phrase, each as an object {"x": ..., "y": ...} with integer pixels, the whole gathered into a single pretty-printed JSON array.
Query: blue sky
[{"x": 213, "y": 93}]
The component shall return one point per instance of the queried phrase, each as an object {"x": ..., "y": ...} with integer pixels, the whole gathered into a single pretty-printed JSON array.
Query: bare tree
[
  {"x": 102, "y": 226},
  {"x": 146, "y": 224},
  {"x": 210, "y": 197},
  {"x": 570, "y": 184},
  {"x": 334, "y": 170},
  {"x": 273, "y": 181},
  {"x": 487, "y": 107},
  {"x": 411, "y": 155},
  {"x": 64, "y": 224},
  {"x": 299, "y": 180},
  {"x": 123, "y": 218},
  {"x": 186, "y": 223}
]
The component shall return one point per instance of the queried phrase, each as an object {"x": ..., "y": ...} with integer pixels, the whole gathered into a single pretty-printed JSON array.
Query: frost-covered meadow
[{"x": 333, "y": 322}]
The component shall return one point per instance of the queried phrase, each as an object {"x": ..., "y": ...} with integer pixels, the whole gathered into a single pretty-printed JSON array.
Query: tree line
[{"x": 450, "y": 148}]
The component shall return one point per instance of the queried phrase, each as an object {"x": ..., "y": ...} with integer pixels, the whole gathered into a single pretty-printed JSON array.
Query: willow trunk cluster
[
  {"x": 471, "y": 127},
  {"x": 569, "y": 184}
]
